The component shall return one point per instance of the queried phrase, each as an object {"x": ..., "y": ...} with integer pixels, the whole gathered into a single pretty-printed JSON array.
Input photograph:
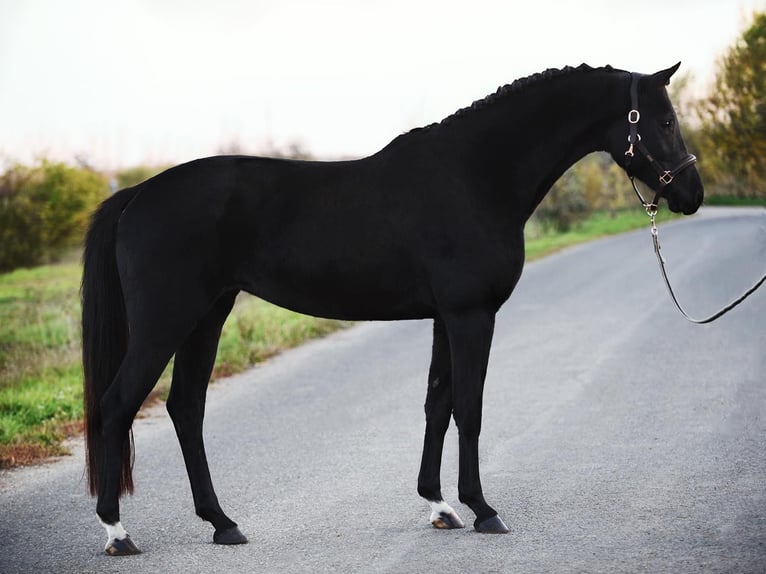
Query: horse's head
[{"x": 648, "y": 144}]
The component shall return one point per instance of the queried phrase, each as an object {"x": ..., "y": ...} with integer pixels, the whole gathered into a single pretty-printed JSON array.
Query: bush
[
  {"x": 44, "y": 210},
  {"x": 134, "y": 175},
  {"x": 565, "y": 205}
]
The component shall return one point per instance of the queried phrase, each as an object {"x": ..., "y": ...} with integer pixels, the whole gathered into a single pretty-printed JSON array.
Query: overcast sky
[{"x": 163, "y": 81}]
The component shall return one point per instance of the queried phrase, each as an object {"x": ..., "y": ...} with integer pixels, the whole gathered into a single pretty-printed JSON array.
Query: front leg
[
  {"x": 470, "y": 339},
  {"x": 438, "y": 412}
]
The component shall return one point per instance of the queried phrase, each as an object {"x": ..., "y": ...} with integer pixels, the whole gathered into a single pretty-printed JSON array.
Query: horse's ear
[{"x": 663, "y": 76}]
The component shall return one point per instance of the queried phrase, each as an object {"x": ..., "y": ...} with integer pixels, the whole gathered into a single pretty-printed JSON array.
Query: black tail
[{"x": 104, "y": 332}]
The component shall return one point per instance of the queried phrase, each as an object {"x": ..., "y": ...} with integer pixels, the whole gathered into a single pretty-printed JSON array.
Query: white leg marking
[
  {"x": 444, "y": 516},
  {"x": 113, "y": 531},
  {"x": 437, "y": 508}
]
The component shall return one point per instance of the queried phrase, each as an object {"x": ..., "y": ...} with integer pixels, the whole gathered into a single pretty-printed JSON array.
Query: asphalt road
[{"x": 617, "y": 437}]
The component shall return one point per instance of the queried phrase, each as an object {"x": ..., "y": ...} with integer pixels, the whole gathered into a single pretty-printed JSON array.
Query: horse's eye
[{"x": 668, "y": 124}]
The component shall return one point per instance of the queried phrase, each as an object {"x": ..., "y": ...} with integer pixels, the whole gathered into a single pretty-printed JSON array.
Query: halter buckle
[
  {"x": 666, "y": 178},
  {"x": 634, "y": 116}
]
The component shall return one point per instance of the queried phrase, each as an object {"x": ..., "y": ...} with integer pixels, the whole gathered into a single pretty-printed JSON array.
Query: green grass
[
  {"x": 540, "y": 243},
  {"x": 37, "y": 413},
  {"x": 40, "y": 372},
  {"x": 257, "y": 330},
  {"x": 39, "y": 321}
]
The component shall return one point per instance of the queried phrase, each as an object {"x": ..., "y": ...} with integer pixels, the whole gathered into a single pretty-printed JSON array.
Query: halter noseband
[{"x": 665, "y": 176}]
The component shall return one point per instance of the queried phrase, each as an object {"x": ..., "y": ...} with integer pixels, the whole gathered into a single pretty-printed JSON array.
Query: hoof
[
  {"x": 443, "y": 516},
  {"x": 492, "y": 525},
  {"x": 124, "y": 547},
  {"x": 446, "y": 521},
  {"x": 229, "y": 536}
]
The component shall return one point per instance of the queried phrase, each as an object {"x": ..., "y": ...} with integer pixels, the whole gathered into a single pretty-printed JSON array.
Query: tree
[{"x": 733, "y": 116}]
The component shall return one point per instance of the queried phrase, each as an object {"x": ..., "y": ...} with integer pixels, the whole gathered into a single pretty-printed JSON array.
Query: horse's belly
[{"x": 365, "y": 295}]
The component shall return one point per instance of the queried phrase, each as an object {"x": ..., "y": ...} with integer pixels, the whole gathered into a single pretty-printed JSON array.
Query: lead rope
[
  {"x": 665, "y": 178},
  {"x": 651, "y": 210}
]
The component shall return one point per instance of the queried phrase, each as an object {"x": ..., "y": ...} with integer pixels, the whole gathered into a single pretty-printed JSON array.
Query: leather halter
[{"x": 665, "y": 176}]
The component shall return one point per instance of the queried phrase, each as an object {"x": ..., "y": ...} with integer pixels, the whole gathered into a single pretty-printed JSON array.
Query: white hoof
[{"x": 444, "y": 517}]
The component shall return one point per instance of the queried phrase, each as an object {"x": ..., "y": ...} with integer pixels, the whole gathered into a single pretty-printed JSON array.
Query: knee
[
  {"x": 468, "y": 428},
  {"x": 437, "y": 419},
  {"x": 468, "y": 420}
]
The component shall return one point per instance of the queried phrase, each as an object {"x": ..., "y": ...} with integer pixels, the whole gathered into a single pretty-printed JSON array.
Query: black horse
[{"x": 430, "y": 227}]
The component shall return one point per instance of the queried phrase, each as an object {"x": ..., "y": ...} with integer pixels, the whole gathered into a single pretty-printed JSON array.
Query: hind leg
[
  {"x": 160, "y": 318},
  {"x": 438, "y": 412},
  {"x": 186, "y": 405},
  {"x": 140, "y": 369}
]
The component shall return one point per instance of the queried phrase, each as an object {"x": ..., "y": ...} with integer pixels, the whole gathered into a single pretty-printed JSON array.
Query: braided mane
[
  {"x": 518, "y": 85},
  {"x": 505, "y": 91}
]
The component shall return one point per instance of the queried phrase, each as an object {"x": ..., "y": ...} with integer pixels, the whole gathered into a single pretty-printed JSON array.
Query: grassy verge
[
  {"x": 40, "y": 373},
  {"x": 540, "y": 243},
  {"x": 40, "y": 377}
]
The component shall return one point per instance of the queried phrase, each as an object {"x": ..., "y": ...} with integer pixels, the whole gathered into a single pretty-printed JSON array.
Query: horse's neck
[{"x": 519, "y": 147}]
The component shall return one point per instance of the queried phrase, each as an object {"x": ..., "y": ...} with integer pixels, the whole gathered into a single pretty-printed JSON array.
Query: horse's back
[{"x": 337, "y": 239}]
